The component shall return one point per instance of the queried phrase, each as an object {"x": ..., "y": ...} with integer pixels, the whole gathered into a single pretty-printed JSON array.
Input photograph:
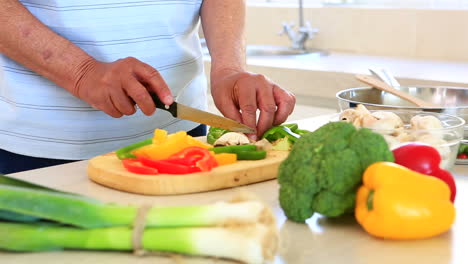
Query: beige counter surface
[{"x": 320, "y": 240}]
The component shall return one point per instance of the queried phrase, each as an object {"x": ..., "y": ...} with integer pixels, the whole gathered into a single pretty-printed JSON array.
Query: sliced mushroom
[
  {"x": 232, "y": 138},
  {"x": 263, "y": 144}
]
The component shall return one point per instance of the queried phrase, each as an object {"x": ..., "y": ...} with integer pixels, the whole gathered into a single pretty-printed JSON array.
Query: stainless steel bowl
[{"x": 452, "y": 100}]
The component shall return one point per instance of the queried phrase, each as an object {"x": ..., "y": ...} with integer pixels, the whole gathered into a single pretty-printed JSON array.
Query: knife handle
[{"x": 170, "y": 108}]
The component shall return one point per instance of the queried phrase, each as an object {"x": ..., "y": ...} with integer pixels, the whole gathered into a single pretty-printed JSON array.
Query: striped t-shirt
[{"x": 40, "y": 119}]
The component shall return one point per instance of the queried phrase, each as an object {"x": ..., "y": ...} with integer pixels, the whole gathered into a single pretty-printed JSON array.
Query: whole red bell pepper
[{"x": 424, "y": 159}]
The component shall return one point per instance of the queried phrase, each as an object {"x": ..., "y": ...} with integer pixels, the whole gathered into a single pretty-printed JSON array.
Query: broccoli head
[{"x": 324, "y": 170}]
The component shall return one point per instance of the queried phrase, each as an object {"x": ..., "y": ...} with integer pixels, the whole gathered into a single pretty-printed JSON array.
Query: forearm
[
  {"x": 26, "y": 40},
  {"x": 223, "y": 26}
]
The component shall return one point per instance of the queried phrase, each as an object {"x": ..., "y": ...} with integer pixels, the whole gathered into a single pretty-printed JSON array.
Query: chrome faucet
[{"x": 304, "y": 33}]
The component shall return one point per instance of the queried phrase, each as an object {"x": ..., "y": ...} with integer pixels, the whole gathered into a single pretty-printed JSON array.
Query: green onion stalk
[{"x": 243, "y": 230}]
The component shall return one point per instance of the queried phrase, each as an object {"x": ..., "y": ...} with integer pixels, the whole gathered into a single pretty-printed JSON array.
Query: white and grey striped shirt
[{"x": 38, "y": 118}]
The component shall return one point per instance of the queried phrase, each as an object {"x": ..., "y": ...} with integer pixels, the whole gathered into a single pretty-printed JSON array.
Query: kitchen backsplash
[{"x": 414, "y": 33}]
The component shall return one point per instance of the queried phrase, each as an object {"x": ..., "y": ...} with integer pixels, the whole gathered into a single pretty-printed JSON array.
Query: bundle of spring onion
[{"x": 34, "y": 218}]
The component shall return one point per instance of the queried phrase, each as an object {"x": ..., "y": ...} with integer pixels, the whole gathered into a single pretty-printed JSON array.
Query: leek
[
  {"x": 84, "y": 212},
  {"x": 242, "y": 230},
  {"x": 250, "y": 244}
]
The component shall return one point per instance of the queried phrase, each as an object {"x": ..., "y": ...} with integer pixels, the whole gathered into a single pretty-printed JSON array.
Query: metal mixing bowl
[{"x": 452, "y": 100}]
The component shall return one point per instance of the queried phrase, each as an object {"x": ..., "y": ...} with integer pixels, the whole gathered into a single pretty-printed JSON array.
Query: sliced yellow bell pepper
[
  {"x": 225, "y": 158},
  {"x": 160, "y": 136},
  {"x": 165, "y": 145},
  {"x": 397, "y": 203}
]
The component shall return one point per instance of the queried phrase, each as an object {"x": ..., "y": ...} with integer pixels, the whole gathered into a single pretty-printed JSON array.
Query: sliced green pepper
[
  {"x": 281, "y": 131},
  {"x": 251, "y": 155},
  {"x": 234, "y": 149},
  {"x": 243, "y": 152},
  {"x": 126, "y": 152}
]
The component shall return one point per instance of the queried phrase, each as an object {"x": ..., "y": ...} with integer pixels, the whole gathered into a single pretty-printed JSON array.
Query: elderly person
[{"x": 75, "y": 70}]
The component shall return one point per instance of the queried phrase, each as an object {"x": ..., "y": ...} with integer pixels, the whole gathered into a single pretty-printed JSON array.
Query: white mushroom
[
  {"x": 430, "y": 123},
  {"x": 351, "y": 116},
  {"x": 357, "y": 116},
  {"x": 425, "y": 122},
  {"x": 232, "y": 138}
]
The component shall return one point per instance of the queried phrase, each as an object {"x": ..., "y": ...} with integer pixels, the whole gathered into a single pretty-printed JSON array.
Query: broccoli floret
[{"x": 324, "y": 170}]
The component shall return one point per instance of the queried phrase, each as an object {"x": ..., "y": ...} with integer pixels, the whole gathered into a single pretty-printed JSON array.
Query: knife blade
[{"x": 196, "y": 115}]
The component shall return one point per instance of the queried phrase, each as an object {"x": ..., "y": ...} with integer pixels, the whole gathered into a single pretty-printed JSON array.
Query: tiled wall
[{"x": 414, "y": 33}]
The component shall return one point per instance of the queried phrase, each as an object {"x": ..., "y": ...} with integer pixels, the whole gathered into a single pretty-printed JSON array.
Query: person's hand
[
  {"x": 116, "y": 87},
  {"x": 238, "y": 95}
]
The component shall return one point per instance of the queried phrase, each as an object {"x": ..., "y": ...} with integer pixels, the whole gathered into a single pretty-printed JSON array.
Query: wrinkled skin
[{"x": 238, "y": 95}]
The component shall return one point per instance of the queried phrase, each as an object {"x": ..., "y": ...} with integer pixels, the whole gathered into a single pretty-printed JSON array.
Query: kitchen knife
[{"x": 189, "y": 113}]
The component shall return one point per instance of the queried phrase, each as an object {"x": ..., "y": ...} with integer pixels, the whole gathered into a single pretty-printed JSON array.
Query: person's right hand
[{"x": 115, "y": 87}]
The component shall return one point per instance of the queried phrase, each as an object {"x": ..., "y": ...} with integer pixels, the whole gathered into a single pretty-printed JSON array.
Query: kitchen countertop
[
  {"x": 406, "y": 68},
  {"x": 321, "y": 240}
]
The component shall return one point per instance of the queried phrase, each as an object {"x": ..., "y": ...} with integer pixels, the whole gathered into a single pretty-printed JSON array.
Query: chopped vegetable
[
  {"x": 398, "y": 203},
  {"x": 126, "y": 152},
  {"x": 232, "y": 138},
  {"x": 424, "y": 159},
  {"x": 233, "y": 149},
  {"x": 263, "y": 144},
  {"x": 281, "y": 131},
  {"x": 243, "y": 152},
  {"x": 167, "y": 167},
  {"x": 246, "y": 227},
  {"x": 324, "y": 170},
  {"x": 214, "y": 133},
  {"x": 136, "y": 166},
  {"x": 189, "y": 160},
  {"x": 282, "y": 144},
  {"x": 204, "y": 160},
  {"x": 251, "y": 155},
  {"x": 225, "y": 158},
  {"x": 167, "y": 146}
]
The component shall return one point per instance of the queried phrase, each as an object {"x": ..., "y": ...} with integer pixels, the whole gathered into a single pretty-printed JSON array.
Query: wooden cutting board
[{"x": 108, "y": 170}]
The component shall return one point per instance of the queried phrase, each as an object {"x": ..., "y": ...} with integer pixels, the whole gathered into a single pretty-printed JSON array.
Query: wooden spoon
[{"x": 387, "y": 88}]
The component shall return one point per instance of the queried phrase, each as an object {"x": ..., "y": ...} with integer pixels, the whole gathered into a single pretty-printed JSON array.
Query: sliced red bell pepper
[
  {"x": 205, "y": 161},
  {"x": 189, "y": 161},
  {"x": 165, "y": 166},
  {"x": 424, "y": 159},
  {"x": 136, "y": 166}
]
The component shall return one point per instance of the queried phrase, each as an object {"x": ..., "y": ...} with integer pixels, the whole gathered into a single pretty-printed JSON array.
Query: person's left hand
[{"x": 238, "y": 95}]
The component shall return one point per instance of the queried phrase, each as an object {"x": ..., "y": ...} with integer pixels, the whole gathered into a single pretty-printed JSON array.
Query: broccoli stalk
[{"x": 324, "y": 170}]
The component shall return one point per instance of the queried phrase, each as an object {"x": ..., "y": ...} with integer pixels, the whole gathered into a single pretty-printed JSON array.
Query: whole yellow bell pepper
[{"x": 397, "y": 203}]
